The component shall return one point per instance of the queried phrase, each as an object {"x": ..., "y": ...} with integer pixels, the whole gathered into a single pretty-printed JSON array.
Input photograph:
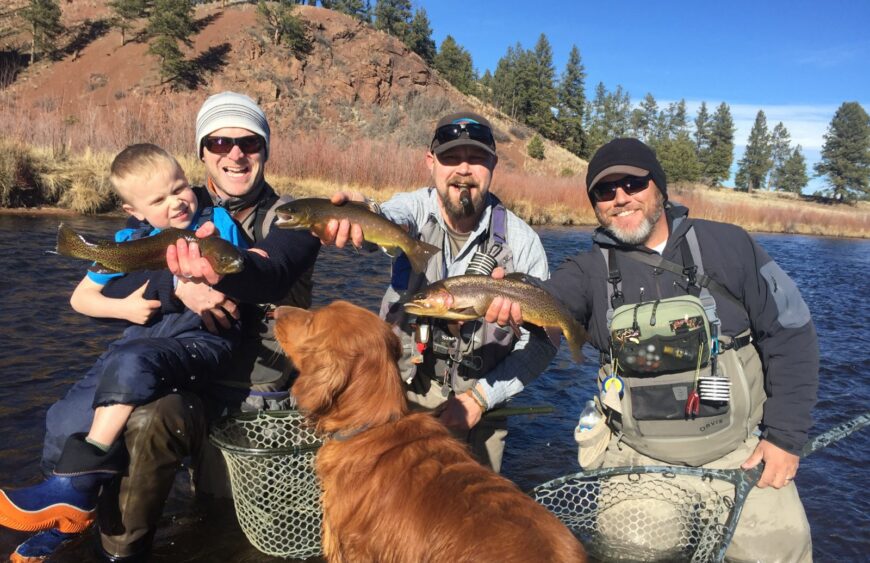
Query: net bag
[
  {"x": 647, "y": 513},
  {"x": 270, "y": 460}
]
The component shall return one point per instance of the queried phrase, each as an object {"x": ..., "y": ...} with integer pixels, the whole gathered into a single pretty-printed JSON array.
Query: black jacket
[{"x": 772, "y": 309}]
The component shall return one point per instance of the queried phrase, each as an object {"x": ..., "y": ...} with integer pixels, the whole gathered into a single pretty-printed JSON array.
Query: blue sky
[{"x": 796, "y": 60}]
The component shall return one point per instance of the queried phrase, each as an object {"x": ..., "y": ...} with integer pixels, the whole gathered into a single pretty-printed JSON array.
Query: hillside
[{"x": 356, "y": 82}]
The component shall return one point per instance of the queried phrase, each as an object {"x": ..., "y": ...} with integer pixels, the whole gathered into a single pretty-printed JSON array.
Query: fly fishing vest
[
  {"x": 260, "y": 359},
  {"x": 662, "y": 353},
  {"x": 455, "y": 358}
]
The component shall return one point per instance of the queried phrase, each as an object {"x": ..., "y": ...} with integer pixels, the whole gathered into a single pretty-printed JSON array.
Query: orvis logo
[{"x": 711, "y": 424}]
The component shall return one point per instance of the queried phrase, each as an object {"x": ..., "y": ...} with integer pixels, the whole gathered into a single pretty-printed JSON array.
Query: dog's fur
[{"x": 396, "y": 486}]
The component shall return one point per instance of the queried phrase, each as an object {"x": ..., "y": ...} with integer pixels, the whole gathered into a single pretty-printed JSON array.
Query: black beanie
[{"x": 625, "y": 156}]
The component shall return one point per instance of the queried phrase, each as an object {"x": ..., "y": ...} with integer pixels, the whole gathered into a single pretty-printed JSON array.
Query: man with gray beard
[
  {"x": 709, "y": 357},
  {"x": 460, "y": 370}
]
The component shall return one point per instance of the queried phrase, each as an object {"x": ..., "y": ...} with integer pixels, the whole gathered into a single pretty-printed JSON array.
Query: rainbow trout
[
  {"x": 147, "y": 253},
  {"x": 472, "y": 296},
  {"x": 314, "y": 213}
]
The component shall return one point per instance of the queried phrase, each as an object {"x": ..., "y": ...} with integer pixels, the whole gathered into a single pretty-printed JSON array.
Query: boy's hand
[{"x": 136, "y": 309}]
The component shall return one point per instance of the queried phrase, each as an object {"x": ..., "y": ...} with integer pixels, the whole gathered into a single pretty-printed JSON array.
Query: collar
[{"x": 235, "y": 204}]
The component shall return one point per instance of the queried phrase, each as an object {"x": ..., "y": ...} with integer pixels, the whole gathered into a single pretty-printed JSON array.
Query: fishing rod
[{"x": 578, "y": 499}]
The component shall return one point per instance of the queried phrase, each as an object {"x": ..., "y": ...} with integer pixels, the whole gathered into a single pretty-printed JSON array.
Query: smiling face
[
  {"x": 163, "y": 197},
  {"x": 634, "y": 219},
  {"x": 234, "y": 174},
  {"x": 462, "y": 176}
]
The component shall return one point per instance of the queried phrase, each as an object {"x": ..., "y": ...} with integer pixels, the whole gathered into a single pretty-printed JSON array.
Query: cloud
[{"x": 832, "y": 56}]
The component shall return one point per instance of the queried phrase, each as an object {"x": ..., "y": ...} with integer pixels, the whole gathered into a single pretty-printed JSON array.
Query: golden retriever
[{"x": 397, "y": 487}]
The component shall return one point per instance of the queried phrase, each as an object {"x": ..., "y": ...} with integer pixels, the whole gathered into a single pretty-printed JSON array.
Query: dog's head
[{"x": 347, "y": 361}]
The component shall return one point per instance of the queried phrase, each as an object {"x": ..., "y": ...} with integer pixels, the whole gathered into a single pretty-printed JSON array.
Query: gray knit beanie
[{"x": 229, "y": 109}]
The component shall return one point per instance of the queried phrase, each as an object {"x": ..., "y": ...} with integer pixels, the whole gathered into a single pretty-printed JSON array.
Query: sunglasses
[
  {"x": 474, "y": 131},
  {"x": 606, "y": 191},
  {"x": 249, "y": 144}
]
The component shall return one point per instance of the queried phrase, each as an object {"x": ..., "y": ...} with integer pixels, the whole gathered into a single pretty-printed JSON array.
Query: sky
[{"x": 797, "y": 60}]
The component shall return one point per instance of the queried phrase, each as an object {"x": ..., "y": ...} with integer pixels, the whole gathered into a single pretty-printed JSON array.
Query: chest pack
[
  {"x": 454, "y": 358},
  {"x": 671, "y": 385}
]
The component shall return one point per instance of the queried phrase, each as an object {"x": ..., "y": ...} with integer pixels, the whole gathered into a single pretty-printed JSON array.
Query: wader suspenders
[{"x": 697, "y": 282}]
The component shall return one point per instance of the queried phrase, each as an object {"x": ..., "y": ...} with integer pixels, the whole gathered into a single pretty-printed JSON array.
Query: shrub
[{"x": 535, "y": 148}]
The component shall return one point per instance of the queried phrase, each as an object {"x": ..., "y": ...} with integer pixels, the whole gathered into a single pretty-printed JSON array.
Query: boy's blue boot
[
  {"x": 68, "y": 498},
  {"x": 39, "y": 547}
]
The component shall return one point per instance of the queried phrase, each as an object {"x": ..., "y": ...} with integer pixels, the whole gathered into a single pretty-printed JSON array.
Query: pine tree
[
  {"x": 355, "y": 8},
  {"x": 756, "y": 160},
  {"x": 702, "y": 130},
  {"x": 392, "y": 16},
  {"x": 608, "y": 116},
  {"x": 419, "y": 37},
  {"x": 780, "y": 152},
  {"x": 716, "y": 162},
  {"x": 643, "y": 119},
  {"x": 125, "y": 13},
  {"x": 793, "y": 174},
  {"x": 171, "y": 22},
  {"x": 485, "y": 87},
  {"x": 676, "y": 119},
  {"x": 454, "y": 63},
  {"x": 571, "y": 106},
  {"x": 679, "y": 158},
  {"x": 535, "y": 147},
  {"x": 846, "y": 153},
  {"x": 284, "y": 28},
  {"x": 504, "y": 81},
  {"x": 45, "y": 27},
  {"x": 542, "y": 94}
]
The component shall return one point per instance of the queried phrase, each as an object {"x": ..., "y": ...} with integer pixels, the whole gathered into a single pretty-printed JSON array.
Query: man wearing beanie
[
  {"x": 460, "y": 372},
  {"x": 232, "y": 139},
  {"x": 743, "y": 401}
]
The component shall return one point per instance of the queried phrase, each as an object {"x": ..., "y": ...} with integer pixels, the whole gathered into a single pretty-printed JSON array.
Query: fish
[
  {"x": 314, "y": 214},
  {"x": 472, "y": 294},
  {"x": 148, "y": 253}
]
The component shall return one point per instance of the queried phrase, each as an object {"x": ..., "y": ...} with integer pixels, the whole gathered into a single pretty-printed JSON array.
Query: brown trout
[
  {"x": 147, "y": 253},
  {"x": 314, "y": 213},
  {"x": 472, "y": 295}
]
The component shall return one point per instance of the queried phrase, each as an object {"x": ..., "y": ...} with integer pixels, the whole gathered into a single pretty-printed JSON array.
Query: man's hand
[
  {"x": 502, "y": 310},
  {"x": 215, "y": 308},
  {"x": 339, "y": 232},
  {"x": 461, "y": 412},
  {"x": 780, "y": 467},
  {"x": 136, "y": 309},
  {"x": 185, "y": 261}
]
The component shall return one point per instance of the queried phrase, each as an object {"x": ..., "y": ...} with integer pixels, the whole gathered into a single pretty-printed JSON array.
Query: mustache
[{"x": 463, "y": 183}]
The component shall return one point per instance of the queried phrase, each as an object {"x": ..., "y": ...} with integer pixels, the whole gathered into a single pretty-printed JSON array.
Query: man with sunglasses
[
  {"x": 232, "y": 139},
  {"x": 460, "y": 371},
  {"x": 646, "y": 251}
]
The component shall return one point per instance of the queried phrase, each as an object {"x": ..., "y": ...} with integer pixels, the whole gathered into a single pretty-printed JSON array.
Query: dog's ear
[{"x": 322, "y": 376}]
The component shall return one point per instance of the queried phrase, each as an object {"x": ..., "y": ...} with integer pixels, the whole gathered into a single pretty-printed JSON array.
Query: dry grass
[{"x": 51, "y": 159}]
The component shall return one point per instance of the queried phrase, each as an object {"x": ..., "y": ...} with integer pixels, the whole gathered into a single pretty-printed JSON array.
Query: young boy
[{"x": 153, "y": 357}]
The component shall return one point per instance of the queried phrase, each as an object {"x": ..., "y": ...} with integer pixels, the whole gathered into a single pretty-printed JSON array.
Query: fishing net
[
  {"x": 649, "y": 513},
  {"x": 270, "y": 458}
]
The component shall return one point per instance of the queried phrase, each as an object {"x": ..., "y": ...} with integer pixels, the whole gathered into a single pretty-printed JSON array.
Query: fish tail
[
  {"x": 576, "y": 336},
  {"x": 419, "y": 255},
  {"x": 72, "y": 244}
]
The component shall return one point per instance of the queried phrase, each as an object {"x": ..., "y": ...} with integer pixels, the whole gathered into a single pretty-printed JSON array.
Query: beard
[
  {"x": 470, "y": 202},
  {"x": 636, "y": 235}
]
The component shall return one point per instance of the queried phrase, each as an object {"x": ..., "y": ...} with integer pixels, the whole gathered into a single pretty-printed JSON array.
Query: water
[{"x": 46, "y": 346}]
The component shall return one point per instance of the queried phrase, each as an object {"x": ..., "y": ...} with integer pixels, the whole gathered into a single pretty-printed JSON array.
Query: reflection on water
[{"x": 46, "y": 346}]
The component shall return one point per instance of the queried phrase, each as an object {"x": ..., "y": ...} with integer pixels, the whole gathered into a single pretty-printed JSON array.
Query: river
[{"x": 47, "y": 346}]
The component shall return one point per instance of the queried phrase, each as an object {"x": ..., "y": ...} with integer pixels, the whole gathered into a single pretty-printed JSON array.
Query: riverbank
[{"x": 38, "y": 181}]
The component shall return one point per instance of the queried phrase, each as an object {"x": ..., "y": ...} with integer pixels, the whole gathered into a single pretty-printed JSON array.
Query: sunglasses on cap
[
  {"x": 606, "y": 191},
  {"x": 474, "y": 131},
  {"x": 249, "y": 144}
]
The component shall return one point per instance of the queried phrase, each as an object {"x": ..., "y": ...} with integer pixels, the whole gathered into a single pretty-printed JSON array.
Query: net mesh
[
  {"x": 270, "y": 459},
  {"x": 643, "y": 514}
]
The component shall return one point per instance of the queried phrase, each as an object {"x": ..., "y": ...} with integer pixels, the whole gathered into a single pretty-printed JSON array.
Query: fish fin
[
  {"x": 520, "y": 277},
  {"x": 576, "y": 336},
  {"x": 419, "y": 255},
  {"x": 70, "y": 243},
  {"x": 98, "y": 268}
]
